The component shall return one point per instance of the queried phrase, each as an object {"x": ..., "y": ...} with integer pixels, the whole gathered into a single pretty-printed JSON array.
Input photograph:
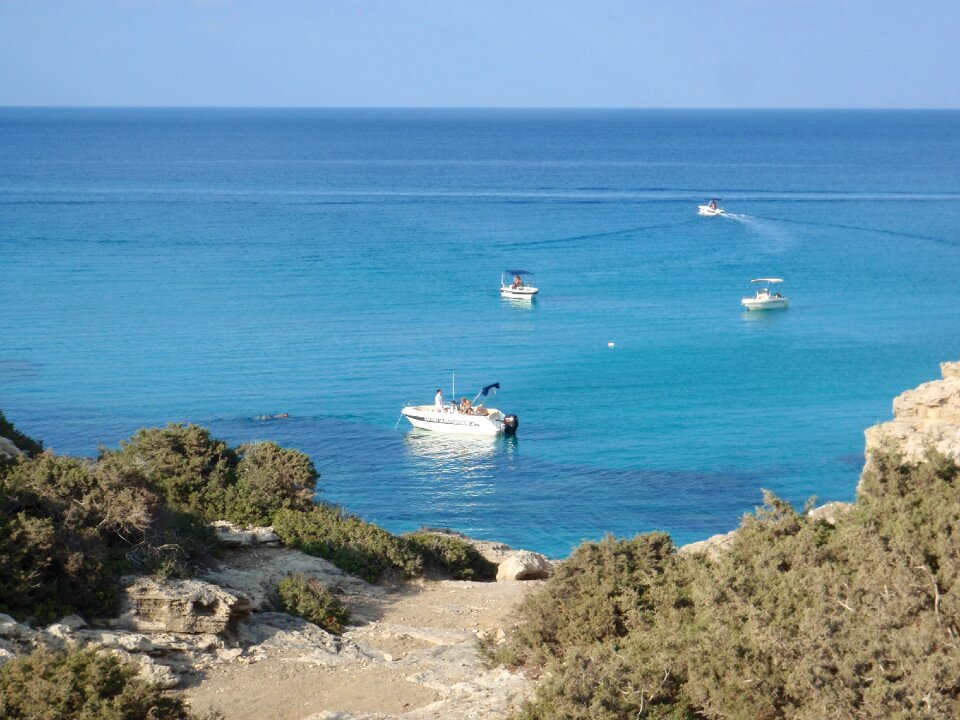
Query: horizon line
[{"x": 566, "y": 108}]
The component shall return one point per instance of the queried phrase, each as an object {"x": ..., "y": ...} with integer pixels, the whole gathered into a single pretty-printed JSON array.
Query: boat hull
[
  {"x": 768, "y": 304},
  {"x": 429, "y": 418},
  {"x": 519, "y": 293},
  {"x": 708, "y": 211}
]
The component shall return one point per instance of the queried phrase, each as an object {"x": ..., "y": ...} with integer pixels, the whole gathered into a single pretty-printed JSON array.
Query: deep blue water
[{"x": 212, "y": 266}]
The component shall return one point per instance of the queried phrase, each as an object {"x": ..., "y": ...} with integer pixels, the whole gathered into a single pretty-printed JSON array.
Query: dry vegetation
[{"x": 799, "y": 619}]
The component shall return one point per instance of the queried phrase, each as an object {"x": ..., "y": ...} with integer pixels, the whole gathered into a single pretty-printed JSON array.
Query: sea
[{"x": 226, "y": 266}]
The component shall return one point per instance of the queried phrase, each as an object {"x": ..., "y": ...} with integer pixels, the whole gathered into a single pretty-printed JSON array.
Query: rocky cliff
[{"x": 927, "y": 417}]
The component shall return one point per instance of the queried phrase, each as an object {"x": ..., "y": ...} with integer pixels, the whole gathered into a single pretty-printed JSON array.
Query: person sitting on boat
[
  {"x": 465, "y": 406},
  {"x": 438, "y": 400},
  {"x": 713, "y": 204},
  {"x": 517, "y": 282}
]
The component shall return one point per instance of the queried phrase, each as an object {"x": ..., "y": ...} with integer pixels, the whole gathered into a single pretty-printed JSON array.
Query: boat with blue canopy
[{"x": 520, "y": 288}]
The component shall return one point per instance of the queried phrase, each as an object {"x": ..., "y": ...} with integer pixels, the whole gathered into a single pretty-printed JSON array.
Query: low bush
[
  {"x": 348, "y": 542},
  {"x": 81, "y": 685},
  {"x": 449, "y": 556},
  {"x": 270, "y": 478},
  {"x": 195, "y": 473},
  {"x": 306, "y": 597},
  {"x": 368, "y": 551},
  {"x": 190, "y": 470},
  {"x": 53, "y": 558}
]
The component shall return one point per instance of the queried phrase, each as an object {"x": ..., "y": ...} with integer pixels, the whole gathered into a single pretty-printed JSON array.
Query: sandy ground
[{"x": 411, "y": 653}]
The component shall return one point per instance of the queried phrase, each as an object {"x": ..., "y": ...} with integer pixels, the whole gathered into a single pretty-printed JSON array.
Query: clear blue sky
[{"x": 486, "y": 53}]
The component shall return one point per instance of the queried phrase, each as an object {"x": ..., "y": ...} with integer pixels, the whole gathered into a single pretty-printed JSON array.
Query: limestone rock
[
  {"x": 712, "y": 547},
  {"x": 231, "y": 535},
  {"x": 524, "y": 565},
  {"x": 180, "y": 606},
  {"x": 830, "y": 512},
  {"x": 950, "y": 369},
  {"x": 926, "y": 417},
  {"x": 10, "y": 629},
  {"x": 8, "y": 449},
  {"x": 156, "y": 674}
]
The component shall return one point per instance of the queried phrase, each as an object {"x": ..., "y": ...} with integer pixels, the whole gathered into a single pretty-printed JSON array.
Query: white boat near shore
[{"x": 463, "y": 418}]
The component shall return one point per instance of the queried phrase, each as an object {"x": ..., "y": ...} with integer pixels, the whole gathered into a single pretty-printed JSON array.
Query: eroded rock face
[
  {"x": 180, "y": 606},
  {"x": 230, "y": 535},
  {"x": 923, "y": 418}
]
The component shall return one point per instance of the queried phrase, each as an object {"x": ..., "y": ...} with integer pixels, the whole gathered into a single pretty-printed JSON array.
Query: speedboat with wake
[
  {"x": 711, "y": 209},
  {"x": 518, "y": 289},
  {"x": 465, "y": 417},
  {"x": 764, "y": 298}
]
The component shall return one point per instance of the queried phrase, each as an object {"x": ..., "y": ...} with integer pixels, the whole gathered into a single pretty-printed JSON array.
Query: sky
[{"x": 485, "y": 53}]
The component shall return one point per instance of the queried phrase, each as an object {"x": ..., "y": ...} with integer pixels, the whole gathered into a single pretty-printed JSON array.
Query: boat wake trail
[
  {"x": 877, "y": 231},
  {"x": 595, "y": 236},
  {"x": 777, "y": 238}
]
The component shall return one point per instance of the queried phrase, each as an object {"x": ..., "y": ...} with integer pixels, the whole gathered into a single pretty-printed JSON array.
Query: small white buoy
[{"x": 610, "y": 344}]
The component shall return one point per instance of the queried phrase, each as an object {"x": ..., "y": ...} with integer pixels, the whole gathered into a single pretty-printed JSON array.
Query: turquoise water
[{"x": 214, "y": 266}]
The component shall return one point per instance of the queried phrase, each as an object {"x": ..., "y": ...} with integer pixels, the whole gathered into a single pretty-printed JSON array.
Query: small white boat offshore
[
  {"x": 518, "y": 289},
  {"x": 711, "y": 209},
  {"x": 764, "y": 299},
  {"x": 465, "y": 417}
]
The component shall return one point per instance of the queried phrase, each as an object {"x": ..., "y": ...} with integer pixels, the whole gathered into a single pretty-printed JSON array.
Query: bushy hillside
[
  {"x": 799, "y": 619},
  {"x": 70, "y": 527}
]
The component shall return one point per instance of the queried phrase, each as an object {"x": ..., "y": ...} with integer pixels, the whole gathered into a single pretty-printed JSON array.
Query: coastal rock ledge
[{"x": 926, "y": 417}]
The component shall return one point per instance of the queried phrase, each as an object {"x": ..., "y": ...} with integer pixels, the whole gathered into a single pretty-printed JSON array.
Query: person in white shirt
[{"x": 438, "y": 400}]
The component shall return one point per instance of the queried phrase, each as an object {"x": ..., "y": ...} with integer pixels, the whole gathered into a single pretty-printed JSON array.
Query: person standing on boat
[
  {"x": 517, "y": 282},
  {"x": 438, "y": 400}
]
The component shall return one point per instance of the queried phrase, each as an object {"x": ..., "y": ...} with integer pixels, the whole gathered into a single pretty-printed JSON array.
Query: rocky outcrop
[
  {"x": 927, "y": 417},
  {"x": 8, "y": 449},
  {"x": 179, "y": 606},
  {"x": 713, "y": 547},
  {"x": 230, "y": 535}
]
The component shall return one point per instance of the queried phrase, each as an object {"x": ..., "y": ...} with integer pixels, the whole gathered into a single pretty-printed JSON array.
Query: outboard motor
[{"x": 510, "y": 424}]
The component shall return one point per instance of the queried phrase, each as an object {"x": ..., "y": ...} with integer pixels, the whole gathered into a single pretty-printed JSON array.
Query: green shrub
[
  {"x": 450, "y": 556},
  {"x": 307, "y": 598},
  {"x": 597, "y": 595},
  {"x": 191, "y": 471},
  {"x": 67, "y": 531},
  {"x": 53, "y": 558},
  {"x": 81, "y": 685},
  {"x": 28, "y": 445},
  {"x": 374, "y": 554},
  {"x": 798, "y": 619},
  {"x": 270, "y": 478},
  {"x": 348, "y": 542}
]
